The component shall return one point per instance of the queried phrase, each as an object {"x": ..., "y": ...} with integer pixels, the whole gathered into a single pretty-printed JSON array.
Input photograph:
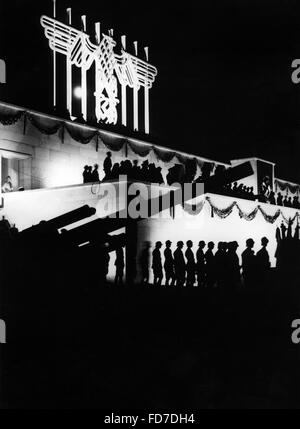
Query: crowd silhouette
[
  {"x": 205, "y": 268},
  {"x": 151, "y": 173},
  {"x": 146, "y": 172}
]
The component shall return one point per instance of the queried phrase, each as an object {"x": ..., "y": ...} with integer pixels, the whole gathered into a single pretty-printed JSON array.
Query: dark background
[{"x": 224, "y": 86}]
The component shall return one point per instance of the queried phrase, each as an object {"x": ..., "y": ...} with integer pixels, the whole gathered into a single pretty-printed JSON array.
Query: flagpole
[
  {"x": 54, "y": 59},
  {"x": 123, "y": 89},
  {"x": 135, "y": 99},
  {"x": 83, "y": 77},
  {"x": 146, "y": 96},
  {"x": 69, "y": 69}
]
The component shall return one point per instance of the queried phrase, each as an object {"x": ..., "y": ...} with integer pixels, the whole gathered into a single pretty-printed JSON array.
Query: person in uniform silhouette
[
  {"x": 95, "y": 174},
  {"x": 233, "y": 275},
  {"x": 249, "y": 263},
  {"x": 210, "y": 265},
  {"x": 107, "y": 165},
  {"x": 179, "y": 264},
  {"x": 120, "y": 264},
  {"x": 156, "y": 264},
  {"x": 89, "y": 174},
  {"x": 220, "y": 263},
  {"x": 263, "y": 260},
  {"x": 190, "y": 264},
  {"x": 85, "y": 174},
  {"x": 136, "y": 171},
  {"x": 200, "y": 267},
  {"x": 144, "y": 262},
  {"x": 169, "y": 264},
  {"x": 279, "y": 199}
]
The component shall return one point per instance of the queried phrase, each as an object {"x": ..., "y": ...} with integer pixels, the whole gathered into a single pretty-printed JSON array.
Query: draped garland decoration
[
  {"x": 139, "y": 149},
  {"x": 245, "y": 216},
  {"x": 164, "y": 155},
  {"x": 285, "y": 186},
  {"x": 223, "y": 213},
  {"x": 112, "y": 143},
  {"x": 10, "y": 115},
  {"x": 44, "y": 124},
  {"x": 83, "y": 133},
  {"x": 270, "y": 218},
  {"x": 193, "y": 209}
]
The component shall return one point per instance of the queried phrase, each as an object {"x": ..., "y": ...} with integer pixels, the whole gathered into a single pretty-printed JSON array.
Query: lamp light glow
[{"x": 78, "y": 92}]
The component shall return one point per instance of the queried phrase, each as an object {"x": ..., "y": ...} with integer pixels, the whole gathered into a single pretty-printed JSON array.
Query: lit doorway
[{"x": 18, "y": 166}]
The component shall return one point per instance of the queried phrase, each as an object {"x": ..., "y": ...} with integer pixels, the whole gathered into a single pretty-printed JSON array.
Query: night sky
[{"x": 224, "y": 86}]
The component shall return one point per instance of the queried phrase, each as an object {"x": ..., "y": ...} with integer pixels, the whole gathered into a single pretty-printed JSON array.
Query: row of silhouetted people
[
  {"x": 149, "y": 172},
  {"x": 146, "y": 172},
  {"x": 206, "y": 267}
]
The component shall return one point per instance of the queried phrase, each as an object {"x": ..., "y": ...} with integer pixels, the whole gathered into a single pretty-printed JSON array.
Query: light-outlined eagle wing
[
  {"x": 68, "y": 41},
  {"x": 134, "y": 72}
]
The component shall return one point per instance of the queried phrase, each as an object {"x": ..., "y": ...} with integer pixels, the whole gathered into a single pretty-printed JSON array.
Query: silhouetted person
[
  {"x": 220, "y": 263},
  {"x": 169, "y": 264},
  {"x": 115, "y": 172},
  {"x": 200, "y": 267},
  {"x": 179, "y": 264},
  {"x": 156, "y": 264},
  {"x": 136, "y": 170},
  {"x": 90, "y": 174},
  {"x": 144, "y": 261},
  {"x": 95, "y": 174},
  {"x": 296, "y": 202},
  {"x": 158, "y": 176},
  {"x": 145, "y": 171},
  {"x": 249, "y": 263},
  {"x": 128, "y": 168},
  {"x": 85, "y": 174},
  {"x": 263, "y": 260},
  {"x": 190, "y": 264},
  {"x": 233, "y": 275},
  {"x": 210, "y": 265},
  {"x": 107, "y": 165},
  {"x": 265, "y": 189},
  {"x": 272, "y": 198},
  {"x": 234, "y": 189},
  {"x": 279, "y": 199},
  {"x": 283, "y": 230},
  {"x": 120, "y": 264}
]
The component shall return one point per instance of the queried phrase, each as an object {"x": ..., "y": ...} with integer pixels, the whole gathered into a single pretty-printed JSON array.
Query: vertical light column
[
  {"x": 146, "y": 96},
  {"x": 135, "y": 98},
  {"x": 123, "y": 89},
  {"x": 97, "y": 33},
  {"x": 54, "y": 58},
  {"x": 97, "y": 80},
  {"x": 69, "y": 70},
  {"x": 83, "y": 76}
]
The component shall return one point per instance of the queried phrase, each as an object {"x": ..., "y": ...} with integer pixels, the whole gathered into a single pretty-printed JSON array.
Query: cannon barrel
[
  {"x": 94, "y": 230},
  {"x": 60, "y": 221},
  {"x": 228, "y": 176},
  {"x": 113, "y": 241}
]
